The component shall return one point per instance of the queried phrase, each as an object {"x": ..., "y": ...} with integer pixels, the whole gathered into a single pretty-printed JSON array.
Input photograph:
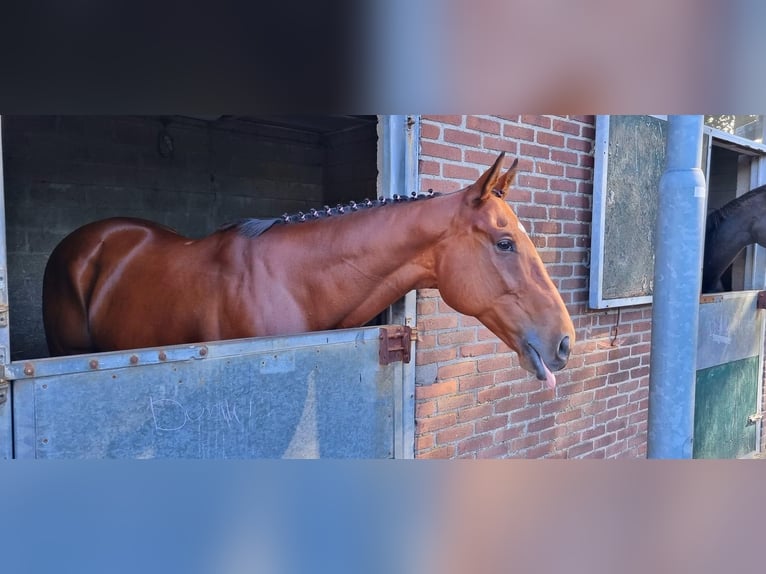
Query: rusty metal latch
[
  {"x": 395, "y": 344},
  {"x": 761, "y": 301},
  {"x": 752, "y": 419}
]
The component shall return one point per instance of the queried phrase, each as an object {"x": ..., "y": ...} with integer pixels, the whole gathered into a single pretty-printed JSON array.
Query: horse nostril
[{"x": 563, "y": 352}]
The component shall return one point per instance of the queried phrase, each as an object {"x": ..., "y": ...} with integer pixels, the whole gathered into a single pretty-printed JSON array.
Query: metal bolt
[
  {"x": 45, "y": 441},
  {"x": 203, "y": 351},
  {"x": 93, "y": 364},
  {"x": 29, "y": 369},
  {"x": 134, "y": 359},
  {"x": 162, "y": 356}
]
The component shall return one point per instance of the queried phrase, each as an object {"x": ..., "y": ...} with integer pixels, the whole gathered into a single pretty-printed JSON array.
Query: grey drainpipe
[{"x": 677, "y": 279}]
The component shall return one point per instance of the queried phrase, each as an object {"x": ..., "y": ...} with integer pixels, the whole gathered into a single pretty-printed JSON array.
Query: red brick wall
[{"x": 472, "y": 397}]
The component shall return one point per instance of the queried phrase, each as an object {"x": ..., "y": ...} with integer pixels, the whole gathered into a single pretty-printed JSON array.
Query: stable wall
[
  {"x": 350, "y": 170},
  {"x": 473, "y": 400}
]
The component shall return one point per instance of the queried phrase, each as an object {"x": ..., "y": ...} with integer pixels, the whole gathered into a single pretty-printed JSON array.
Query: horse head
[{"x": 489, "y": 268}]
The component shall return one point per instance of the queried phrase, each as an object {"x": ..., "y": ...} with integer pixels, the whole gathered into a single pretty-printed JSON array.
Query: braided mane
[{"x": 253, "y": 227}]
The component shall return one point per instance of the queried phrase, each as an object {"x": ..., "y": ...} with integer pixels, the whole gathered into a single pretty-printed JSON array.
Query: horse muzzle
[{"x": 543, "y": 364}]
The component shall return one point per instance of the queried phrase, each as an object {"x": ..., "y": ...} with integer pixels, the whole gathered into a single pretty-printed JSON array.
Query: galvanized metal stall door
[
  {"x": 312, "y": 395},
  {"x": 729, "y": 376}
]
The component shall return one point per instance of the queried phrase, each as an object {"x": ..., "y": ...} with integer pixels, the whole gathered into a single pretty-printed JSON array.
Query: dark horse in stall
[
  {"x": 730, "y": 229},
  {"x": 126, "y": 283}
]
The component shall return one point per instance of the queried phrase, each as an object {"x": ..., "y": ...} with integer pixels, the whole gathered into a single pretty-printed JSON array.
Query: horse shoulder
[{"x": 260, "y": 295}]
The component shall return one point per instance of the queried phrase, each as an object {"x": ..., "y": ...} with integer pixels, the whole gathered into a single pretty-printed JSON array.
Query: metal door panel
[
  {"x": 729, "y": 375},
  {"x": 317, "y": 394},
  {"x": 723, "y": 401},
  {"x": 730, "y": 328}
]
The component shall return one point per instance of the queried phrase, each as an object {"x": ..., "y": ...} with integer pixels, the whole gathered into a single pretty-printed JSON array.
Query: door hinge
[
  {"x": 761, "y": 301},
  {"x": 395, "y": 343}
]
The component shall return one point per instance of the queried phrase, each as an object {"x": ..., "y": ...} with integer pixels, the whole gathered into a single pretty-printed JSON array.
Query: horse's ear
[
  {"x": 488, "y": 182},
  {"x": 506, "y": 180}
]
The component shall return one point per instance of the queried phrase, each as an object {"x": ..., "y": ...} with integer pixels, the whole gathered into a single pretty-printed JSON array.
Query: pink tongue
[{"x": 550, "y": 379}]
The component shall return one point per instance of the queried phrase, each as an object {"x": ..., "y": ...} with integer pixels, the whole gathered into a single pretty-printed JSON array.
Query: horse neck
[
  {"x": 397, "y": 242},
  {"x": 359, "y": 264},
  {"x": 732, "y": 234}
]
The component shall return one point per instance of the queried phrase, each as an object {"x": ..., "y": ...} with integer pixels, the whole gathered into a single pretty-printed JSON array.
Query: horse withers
[{"x": 127, "y": 283}]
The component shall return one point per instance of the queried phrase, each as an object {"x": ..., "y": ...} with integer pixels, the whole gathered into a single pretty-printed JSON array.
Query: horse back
[{"x": 86, "y": 264}]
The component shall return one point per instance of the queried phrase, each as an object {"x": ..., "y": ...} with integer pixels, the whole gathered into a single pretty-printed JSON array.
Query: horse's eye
[{"x": 505, "y": 245}]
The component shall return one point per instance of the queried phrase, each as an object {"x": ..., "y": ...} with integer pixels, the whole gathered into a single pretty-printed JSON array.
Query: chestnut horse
[
  {"x": 126, "y": 283},
  {"x": 730, "y": 229}
]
